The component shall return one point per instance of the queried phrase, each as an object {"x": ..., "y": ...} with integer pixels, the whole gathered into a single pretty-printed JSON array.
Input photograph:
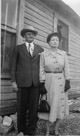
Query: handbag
[{"x": 43, "y": 105}]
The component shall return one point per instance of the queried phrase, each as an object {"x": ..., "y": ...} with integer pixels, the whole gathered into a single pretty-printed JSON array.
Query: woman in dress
[{"x": 55, "y": 76}]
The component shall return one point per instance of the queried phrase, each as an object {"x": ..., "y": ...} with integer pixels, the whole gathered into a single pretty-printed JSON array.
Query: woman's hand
[
  {"x": 67, "y": 85},
  {"x": 42, "y": 89}
]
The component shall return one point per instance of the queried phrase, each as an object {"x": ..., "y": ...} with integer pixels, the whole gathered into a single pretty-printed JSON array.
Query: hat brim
[{"x": 23, "y": 31}]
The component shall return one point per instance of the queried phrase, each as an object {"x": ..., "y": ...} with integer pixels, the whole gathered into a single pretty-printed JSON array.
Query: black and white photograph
[{"x": 40, "y": 68}]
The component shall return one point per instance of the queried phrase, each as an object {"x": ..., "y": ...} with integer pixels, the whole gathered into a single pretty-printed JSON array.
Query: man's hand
[
  {"x": 43, "y": 97},
  {"x": 14, "y": 86}
]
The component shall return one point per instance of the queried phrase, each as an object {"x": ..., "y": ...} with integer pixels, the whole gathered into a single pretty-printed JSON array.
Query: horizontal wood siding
[
  {"x": 74, "y": 59},
  {"x": 8, "y": 98},
  {"x": 41, "y": 17}
]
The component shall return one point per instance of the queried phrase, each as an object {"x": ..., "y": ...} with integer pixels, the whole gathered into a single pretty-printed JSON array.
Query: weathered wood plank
[
  {"x": 74, "y": 44},
  {"x": 75, "y": 75},
  {"x": 74, "y": 60},
  {"x": 36, "y": 15},
  {"x": 43, "y": 44},
  {"x": 40, "y": 10},
  {"x": 75, "y": 54},
  {"x": 73, "y": 47},
  {"x": 6, "y": 89},
  {"x": 5, "y": 82},
  {"x": 74, "y": 66},
  {"x": 75, "y": 81},
  {"x": 42, "y": 6},
  {"x": 73, "y": 34},
  {"x": 9, "y": 96},
  {"x": 75, "y": 30},
  {"x": 8, "y": 103},
  {"x": 38, "y": 37},
  {"x": 6, "y": 111}
]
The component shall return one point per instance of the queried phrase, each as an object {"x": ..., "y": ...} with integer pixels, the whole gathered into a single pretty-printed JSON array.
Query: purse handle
[{"x": 42, "y": 96}]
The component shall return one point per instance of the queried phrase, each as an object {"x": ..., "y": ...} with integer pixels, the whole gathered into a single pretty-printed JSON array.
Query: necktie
[{"x": 29, "y": 49}]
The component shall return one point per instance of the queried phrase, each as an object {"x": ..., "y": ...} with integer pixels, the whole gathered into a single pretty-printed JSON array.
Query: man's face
[{"x": 29, "y": 37}]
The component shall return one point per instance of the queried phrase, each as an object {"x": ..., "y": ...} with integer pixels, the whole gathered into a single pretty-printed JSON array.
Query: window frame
[
  {"x": 4, "y": 72},
  {"x": 8, "y": 25},
  {"x": 60, "y": 23}
]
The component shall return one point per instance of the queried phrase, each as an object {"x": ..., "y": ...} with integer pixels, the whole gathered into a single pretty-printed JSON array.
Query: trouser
[{"x": 27, "y": 99}]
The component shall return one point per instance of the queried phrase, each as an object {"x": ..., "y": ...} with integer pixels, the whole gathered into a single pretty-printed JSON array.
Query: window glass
[
  {"x": 9, "y": 12},
  {"x": 6, "y": 50},
  {"x": 63, "y": 30}
]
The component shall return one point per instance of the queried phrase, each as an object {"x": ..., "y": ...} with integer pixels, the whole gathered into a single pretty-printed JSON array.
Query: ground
[{"x": 70, "y": 125}]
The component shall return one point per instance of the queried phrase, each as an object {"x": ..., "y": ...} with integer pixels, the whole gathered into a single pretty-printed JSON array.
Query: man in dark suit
[{"x": 25, "y": 80}]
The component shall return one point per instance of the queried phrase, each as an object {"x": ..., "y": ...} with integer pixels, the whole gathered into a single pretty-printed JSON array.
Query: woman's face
[{"x": 54, "y": 42}]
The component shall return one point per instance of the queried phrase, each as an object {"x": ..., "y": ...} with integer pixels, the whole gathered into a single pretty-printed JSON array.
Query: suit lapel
[
  {"x": 24, "y": 48},
  {"x": 35, "y": 50}
]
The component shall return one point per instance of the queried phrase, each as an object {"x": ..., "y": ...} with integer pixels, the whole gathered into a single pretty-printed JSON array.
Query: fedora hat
[
  {"x": 53, "y": 34},
  {"x": 28, "y": 29}
]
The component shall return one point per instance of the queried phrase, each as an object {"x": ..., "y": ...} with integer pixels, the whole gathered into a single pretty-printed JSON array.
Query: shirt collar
[
  {"x": 27, "y": 44},
  {"x": 58, "y": 51}
]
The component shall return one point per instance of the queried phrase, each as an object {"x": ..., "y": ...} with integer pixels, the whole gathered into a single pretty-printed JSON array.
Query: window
[
  {"x": 6, "y": 51},
  {"x": 63, "y": 30},
  {"x": 9, "y": 10}
]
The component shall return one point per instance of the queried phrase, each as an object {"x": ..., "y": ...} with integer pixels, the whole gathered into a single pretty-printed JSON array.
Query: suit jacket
[{"x": 24, "y": 68}]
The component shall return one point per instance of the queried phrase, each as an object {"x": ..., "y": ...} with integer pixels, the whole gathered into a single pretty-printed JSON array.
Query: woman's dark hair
[{"x": 51, "y": 35}]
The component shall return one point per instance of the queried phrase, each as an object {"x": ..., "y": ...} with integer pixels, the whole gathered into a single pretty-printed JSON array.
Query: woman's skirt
[{"x": 57, "y": 98}]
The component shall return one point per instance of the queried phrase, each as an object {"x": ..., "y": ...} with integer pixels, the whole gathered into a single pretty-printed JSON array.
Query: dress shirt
[{"x": 31, "y": 49}]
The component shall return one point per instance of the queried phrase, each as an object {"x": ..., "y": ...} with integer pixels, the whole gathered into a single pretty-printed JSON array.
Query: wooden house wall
[
  {"x": 74, "y": 51},
  {"x": 74, "y": 59},
  {"x": 41, "y": 17},
  {"x": 8, "y": 98}
]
